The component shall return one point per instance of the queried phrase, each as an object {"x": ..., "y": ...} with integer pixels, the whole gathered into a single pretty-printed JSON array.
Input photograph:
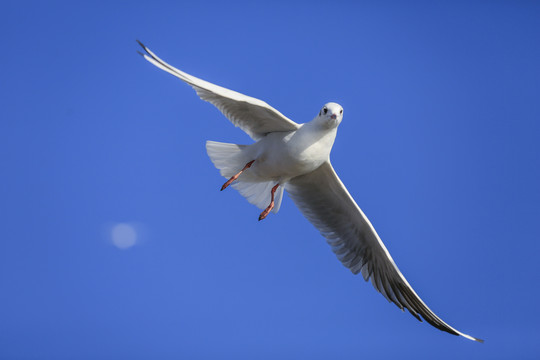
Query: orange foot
[
  {"x": 266, "y": 211},
  {"x": 230, "y": 181}
]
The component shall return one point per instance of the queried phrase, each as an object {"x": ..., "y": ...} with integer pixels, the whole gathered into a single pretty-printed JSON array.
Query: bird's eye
[
  {"x": 341, "y": 111},
  {"x": 325, "y": 110}
]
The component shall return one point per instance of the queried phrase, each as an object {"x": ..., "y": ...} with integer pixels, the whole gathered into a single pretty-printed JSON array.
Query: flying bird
[{"x": 296, "y": 158}]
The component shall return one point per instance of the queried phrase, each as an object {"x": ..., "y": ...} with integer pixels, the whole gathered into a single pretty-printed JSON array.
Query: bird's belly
[
  {"x": 285, "y": 167},
  {"x": 289, "y": 157}
]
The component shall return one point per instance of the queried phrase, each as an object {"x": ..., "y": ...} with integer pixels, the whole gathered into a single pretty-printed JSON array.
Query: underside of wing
[
  {"x": 252, "y": 115},
  {"x": 326, "y": 203}
]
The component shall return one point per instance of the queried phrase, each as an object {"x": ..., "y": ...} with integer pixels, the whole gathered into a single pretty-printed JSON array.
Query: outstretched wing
[
  {"x": 252, "y": 115},
  {"x": 326, "y": 203}
]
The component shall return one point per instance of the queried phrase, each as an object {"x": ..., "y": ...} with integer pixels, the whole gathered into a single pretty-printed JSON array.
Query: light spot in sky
[{"x": 123, "y": 236}]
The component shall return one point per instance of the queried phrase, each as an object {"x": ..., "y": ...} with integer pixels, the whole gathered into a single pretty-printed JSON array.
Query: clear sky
[{"x": 115, "y": 241}]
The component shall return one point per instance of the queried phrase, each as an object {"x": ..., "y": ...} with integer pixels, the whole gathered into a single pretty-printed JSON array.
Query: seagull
[{"x": 296, "y": 158}]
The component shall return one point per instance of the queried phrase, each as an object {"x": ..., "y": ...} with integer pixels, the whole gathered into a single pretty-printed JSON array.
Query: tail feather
[{"x": 229, "y": 159}]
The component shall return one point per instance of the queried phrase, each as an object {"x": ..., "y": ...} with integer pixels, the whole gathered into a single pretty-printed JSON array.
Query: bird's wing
[
  {"x": 326, "y": 203},
  {"x": 252, "y": 115}
]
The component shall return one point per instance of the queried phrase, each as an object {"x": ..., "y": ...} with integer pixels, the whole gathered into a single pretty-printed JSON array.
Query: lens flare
[{"x": 123, "y": 236}]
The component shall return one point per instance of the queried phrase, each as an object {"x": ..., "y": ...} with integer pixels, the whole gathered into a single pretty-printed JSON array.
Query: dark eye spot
[
  {"x": 325, "y": 110},
  {"x": 341, "y": 111}
]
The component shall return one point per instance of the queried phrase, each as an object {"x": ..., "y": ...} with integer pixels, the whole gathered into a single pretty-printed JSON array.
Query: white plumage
[{"x": 297, "y": 157}]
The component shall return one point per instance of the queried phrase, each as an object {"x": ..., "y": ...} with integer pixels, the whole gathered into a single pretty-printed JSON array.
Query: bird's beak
[{"x": 333, "y": 116}]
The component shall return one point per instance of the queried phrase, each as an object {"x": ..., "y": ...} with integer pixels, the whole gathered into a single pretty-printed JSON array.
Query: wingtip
[
  {"x": 143, "y": 46},
  {"x": 140, "y": 43},
  {"x": 473, "y": 338},
  {"x": 481, "y": 341}
]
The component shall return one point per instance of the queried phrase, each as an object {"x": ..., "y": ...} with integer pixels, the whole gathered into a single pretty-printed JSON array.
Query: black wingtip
[
  {"x": 144, "y": 48},
  {"x": 140, "y": 43}
]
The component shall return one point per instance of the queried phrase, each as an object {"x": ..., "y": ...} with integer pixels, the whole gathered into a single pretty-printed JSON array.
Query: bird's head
[{"x": 330, "y": 115}]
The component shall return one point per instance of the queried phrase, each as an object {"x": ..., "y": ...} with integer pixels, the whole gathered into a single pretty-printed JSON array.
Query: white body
[{"x": 281, "y": 156}]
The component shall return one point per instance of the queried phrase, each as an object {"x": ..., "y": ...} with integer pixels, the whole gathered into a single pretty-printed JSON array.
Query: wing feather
[
  {"x": 326, "y": 203},
  {"x": 253, "y": 116}
]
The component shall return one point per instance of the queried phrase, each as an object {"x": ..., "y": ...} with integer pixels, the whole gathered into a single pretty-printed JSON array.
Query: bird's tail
[{"x": 229, "y": 159}]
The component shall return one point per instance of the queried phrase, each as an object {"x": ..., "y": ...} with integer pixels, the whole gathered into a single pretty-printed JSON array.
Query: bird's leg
[
  {"x": 229, "y": 182},
  {"x": 266, "y": 211}
]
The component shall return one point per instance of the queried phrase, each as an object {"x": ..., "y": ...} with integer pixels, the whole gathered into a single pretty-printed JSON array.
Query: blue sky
[{"x": 439, "y": 146}]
